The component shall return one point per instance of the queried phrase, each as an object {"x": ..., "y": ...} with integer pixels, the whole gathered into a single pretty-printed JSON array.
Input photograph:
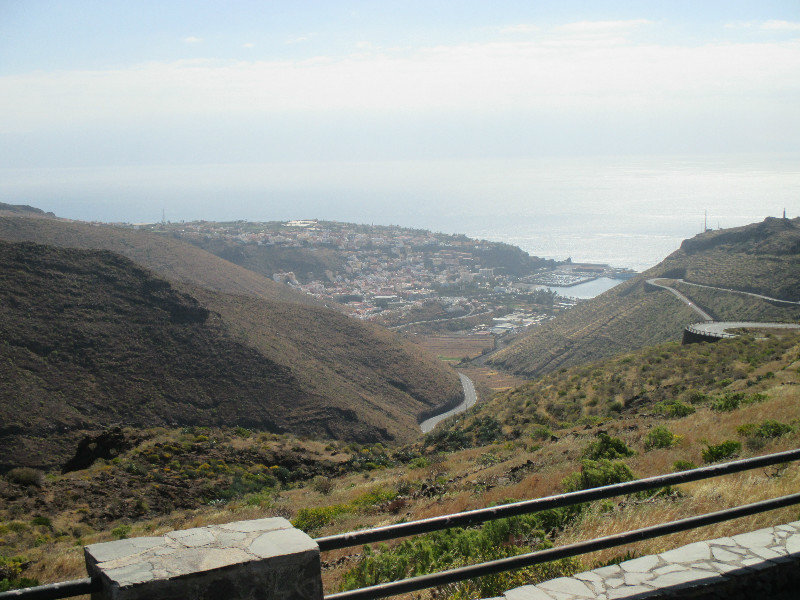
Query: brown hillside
[
  {"x": 762, "y": 258},
  {"x": 363, "y": 372},
  {"x": 169, "y": 258},
  {"x": 90, "y": 339}
]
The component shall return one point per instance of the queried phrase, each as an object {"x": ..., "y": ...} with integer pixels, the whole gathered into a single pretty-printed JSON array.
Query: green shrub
[
  {"x": 311, "y": 519},
  {"x": 659, "y": 437},
  {"x": 242, "y": 432},
  {"x": 728, "y": 402},
  {"x": 759, "y": 434},
  {"x": 727, "y": 449},
  {"x": 374, "y": 497},
  {"x": 25, "y": 476},
  {"x": 696, "y": 397},
  {"x": 673, "y": 408},
  {"x": 447, "y": 440},
  {"x": 42, "y": 521},
  {"x": 10, "y": 571},
  {"x": 121, "y": 532},
  {"x": 488, "y": 459},
  {"x": 608, "y": 447},
  {"x": 732, "y": 401},
  {"x": 261, "y": 499},
  {"x": 683, "y": 465},
  {"x": 596, "y": 474},
  {"x": 487, "y": 429},
  {"x": 455, "y": 547},
  {"x": 541, "y": 432}
]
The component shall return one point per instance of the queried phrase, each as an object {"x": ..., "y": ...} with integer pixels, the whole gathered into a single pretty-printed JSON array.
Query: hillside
[
  {"x": 663, "y": 381},
  {"x": 91, "y": 340},
  {"x": 170, "y": 258},
  {"x": 307, "y": 264},
  {"x": 648, "y": 412},
  {"x": 762, "y": 258},
  {"x": 24, "y": 209}
]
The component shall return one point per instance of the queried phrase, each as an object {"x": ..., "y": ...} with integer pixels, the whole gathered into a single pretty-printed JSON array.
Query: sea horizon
[{"x": 628, "y": 212}]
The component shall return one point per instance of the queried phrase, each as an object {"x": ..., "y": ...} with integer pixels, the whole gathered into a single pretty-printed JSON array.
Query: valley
[{"x": 301, "y": 411}]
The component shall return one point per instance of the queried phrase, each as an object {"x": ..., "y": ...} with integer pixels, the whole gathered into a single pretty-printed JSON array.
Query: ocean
[{"x": 624, "y": 211}]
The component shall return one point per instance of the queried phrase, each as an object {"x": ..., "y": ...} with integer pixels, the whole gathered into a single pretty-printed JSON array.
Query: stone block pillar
[{"x": 264, "y": 559}]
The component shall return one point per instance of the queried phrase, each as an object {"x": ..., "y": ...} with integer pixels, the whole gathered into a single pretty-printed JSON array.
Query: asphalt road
[
  {"x": 761, "y": 296},
  {"x": 720, "y": 328},
  {"x": 703, "y": 314},
  {"x": 470, "y": 398}
]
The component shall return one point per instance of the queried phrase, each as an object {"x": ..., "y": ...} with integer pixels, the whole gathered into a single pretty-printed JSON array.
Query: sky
[{"x": 156, "y": 100}]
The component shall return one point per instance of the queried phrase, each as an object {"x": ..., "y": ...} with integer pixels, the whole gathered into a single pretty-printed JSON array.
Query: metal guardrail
[
  {"x": 525, "y": 560},
  {"x": 693, "y": 328},
  {"x": 54, "y": 591},
  {"x": 79, "y": 587},
  {"x": 475, "y": 517}
]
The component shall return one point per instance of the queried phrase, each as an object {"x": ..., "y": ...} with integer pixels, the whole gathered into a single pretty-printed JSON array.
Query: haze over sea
[{"x": 628, "y": 212}]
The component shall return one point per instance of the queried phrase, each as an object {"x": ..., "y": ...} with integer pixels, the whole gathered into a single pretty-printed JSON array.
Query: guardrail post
[{"x": 246, "y": 560}]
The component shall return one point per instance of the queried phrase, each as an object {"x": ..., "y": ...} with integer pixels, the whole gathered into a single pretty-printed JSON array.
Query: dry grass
[
  {"x": 448, "y": 347},
  {"x": 519, "y": 466},
  {"x": 492, "y": 379}
]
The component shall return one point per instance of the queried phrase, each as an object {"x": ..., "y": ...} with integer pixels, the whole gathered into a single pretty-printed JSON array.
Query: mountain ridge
[
  {"x": 362, "y": 384},
  {"x": 760, "y": 258}
]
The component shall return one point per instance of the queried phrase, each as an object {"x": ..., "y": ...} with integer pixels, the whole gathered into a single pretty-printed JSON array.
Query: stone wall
[
  {"x": 691, "y": 336},
  {"x": 246, "y": 560},
  {"x": 762, "y": 564}
]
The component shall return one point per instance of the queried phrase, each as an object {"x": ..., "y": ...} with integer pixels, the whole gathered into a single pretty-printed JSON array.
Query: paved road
[
  {"x": 470, "y": 398},
  {"x": 711, "y": 287},
  {"x": 720, "y": 329},
  {"x": 703, "y": 314}
]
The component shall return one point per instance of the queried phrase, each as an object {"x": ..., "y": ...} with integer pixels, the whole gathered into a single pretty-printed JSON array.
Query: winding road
[
  {"x": 470, "y": 398},
  {"x": 703, "y": 314},
  {"x": 719, "y": 329},
  {"x": 712, "y": 287}
]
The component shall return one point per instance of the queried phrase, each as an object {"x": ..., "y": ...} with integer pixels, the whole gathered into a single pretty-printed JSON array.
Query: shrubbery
[
  {"x": 456, "y": 547},
  {"x": 759, "y": 434},
  {"x": 727, "y": 449},
  {"x": 673, "y": 408},
  {"x": 659, "y": 437},
  {"x": 10, "y": 571},
  {"x": 25, "y": 476},
  {"x": 598, "y": 473},
  {"x": 311, "y": 519},
  {"x": 683, "y": 465},
  {"x": 766, "y": 429},
  {"x": 730, "y": 402},
  {"x": 608, "y": 447}
]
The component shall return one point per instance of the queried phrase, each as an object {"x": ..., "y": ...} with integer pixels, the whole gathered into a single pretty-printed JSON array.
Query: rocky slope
[
  {"x": 91, "y": 339},
  {"x": 762, "y": 258}
]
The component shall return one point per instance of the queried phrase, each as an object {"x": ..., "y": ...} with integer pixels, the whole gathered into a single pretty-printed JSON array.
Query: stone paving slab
[
  {"x": 262, "y": 558},
  {"x": 763, "y": 560}
]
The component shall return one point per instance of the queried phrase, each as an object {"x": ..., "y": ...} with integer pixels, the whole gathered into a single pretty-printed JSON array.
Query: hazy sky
[{"x": 99, "y": 85}]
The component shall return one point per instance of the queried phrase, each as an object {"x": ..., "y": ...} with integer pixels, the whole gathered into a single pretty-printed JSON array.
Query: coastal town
[{"x": 399, "y": 277}]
